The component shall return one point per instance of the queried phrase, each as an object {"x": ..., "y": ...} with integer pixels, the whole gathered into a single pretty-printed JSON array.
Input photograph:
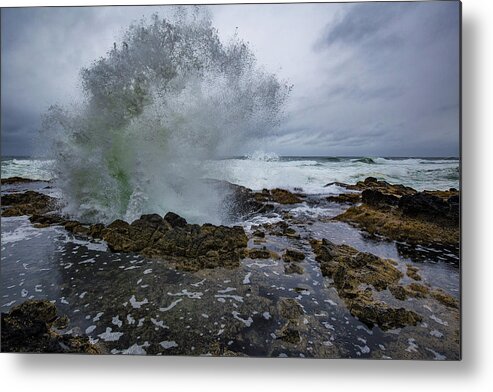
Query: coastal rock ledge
[
  {"x": 191, "y": 246},
  {"x": 33, "y": 326}
]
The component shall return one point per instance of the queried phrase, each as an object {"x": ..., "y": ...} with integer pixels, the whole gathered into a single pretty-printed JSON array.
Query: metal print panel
[{"x": 269, "y": 180}]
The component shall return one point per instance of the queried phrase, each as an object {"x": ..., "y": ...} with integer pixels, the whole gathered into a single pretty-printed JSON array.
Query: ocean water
[{"x": 310, "y": 174}]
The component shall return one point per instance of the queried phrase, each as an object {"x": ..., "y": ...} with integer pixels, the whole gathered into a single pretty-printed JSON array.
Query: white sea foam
[
  {"x": 137, "y": 304},
  {"x": 109, "y": 336},
  {"x": 248, "y": 322},
  {"x": 171, "y": 305},
  {"x": 167, "y": 344}
]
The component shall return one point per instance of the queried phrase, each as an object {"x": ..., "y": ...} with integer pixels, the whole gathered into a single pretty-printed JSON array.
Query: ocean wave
[{"x": 263, "y": 156}]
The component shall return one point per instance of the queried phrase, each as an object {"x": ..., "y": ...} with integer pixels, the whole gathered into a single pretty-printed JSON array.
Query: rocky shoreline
[
  {"x": 36, "y": 326},
  {"x": 380, "y": 209}
]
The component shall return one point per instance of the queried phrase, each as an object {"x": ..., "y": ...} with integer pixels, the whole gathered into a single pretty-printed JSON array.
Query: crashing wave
[{"x": 159, "y": 104}]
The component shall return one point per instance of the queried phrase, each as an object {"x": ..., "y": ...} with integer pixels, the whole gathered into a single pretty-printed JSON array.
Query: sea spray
[{"x": 169, "y": 97}]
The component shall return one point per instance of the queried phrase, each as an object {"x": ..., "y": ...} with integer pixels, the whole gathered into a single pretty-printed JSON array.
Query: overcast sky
[{"x": 371, "y": 79}]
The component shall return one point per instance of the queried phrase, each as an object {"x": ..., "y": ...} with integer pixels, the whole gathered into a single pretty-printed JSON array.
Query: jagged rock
[
  {"x": 412, "y": 272},
  {"x": 384, "y": 187},
  {"x": 429, "y": 206},
  {"x": 293, "y": 255},
  {"x": 259, "y": 233},
  {"x": 257, "y": 253},
  {"x": 277, "y": 195},
  {"x": 349, "y": 198},
  {"x": 289, "y": 308},
  {"x": 376, "y": 198},
  {"x": 28, "y": 328},
  {"x": 351, "y": 270},
  {"x": 192, "y": 247},
  {"x": 173, "y": 219},
  {"x": 375, "y": 184},
  {"x": 46, "y": 220},
  {"x": 393, "y": 225},
  {"x": 413, "y": 290},
  {"x": 378, "y": 313},
  {"x": 18, "y": 180},
  {"x": 293, "y": 268},
  {"x": 283, "y": 196},
  {"x": 444, "y": 298},
  {"x": 282, "y": 229},
  {"x": 26, "y": 203},
  {"x": 96, "y": 231},
  {"x": 289, "y": 333}
]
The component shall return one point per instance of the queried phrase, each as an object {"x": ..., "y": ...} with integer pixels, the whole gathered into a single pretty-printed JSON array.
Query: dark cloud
[
  {"x": 369, "y": 78},
  {"x": 366, "y": 24}
]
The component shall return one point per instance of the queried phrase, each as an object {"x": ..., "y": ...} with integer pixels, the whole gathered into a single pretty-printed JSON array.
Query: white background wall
[{"x": 473, "y": 373}]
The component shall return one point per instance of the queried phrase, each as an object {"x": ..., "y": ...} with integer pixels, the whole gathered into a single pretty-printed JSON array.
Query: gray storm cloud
[{"x": 369, "y": 78}]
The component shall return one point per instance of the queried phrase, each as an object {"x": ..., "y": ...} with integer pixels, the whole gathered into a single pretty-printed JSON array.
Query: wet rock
[
  {"x": 173, "y": 219},
  {"x": 398, "y": 292},
  {"x": 293, "y": 268},
  {"x": 27, "y": 203},
  {"x": 18, "y": 180},
  {"x": 240, "y": 202},
  {"x": 283, "y": 196},
  {"x": 289, "y": 308},
  {"x": 412, "y": 272},
  {"x": 263, "y": 253},
  {"x": 378, "y": 313},
  {"x": 414, "y": 290},
  {"x": 351, "y": 271},
  {"x": 445, "y": 299},
  {"x": 289, "y": 333},
  {"x": 350, "y": 268},
  {"x": 376, "y": 198},
  {"x": 384, "y": 187},
  {"x": 346, "y": 198},
  {"x": 192, "y": 247},
  {"x": 375, "y": 184},
  {"x": 282, "y": 229},
  {"x": 293, "y": 255},
  {"x": 393, "y": 225},
  {"x": 429, "y": 206},
  {"x": 259, "y": 234},
  {"x": 28, "y": 328},
  {"x": 96, "y": 231},
  {"x": 46, "y": 220}
]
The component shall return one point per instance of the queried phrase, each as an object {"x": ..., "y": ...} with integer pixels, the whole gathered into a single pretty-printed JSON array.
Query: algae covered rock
[
  {"x": 192, "y": 247},
  {"x": 27, "y": 203},
  {"x": 355, "y": 275},
  {"x": 293, "y": 255}
]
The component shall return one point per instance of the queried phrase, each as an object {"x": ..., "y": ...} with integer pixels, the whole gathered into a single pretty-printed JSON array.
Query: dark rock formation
[
  {"x": 193, "y": 247},
  {"x": 293, "y": 255},
  {"x": 26, "y": 203},
  {"x": 345, "y": 198},
  {"x": 376, "y": 198},
  {"x": 18, "y": 180},
  {"x": 374, "y": 184},
  {"x": 427, "y": 218},
  {"x": 354, "y": 273},
  {"x": 429, "y": 206},
  {"x": 28, "y": 328},
  {"x": 293, "y": 268},
  {"x": 281, "y": 196},
  {"x": 261, "y": 253},
  {"x": 412, "y": 272}
]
